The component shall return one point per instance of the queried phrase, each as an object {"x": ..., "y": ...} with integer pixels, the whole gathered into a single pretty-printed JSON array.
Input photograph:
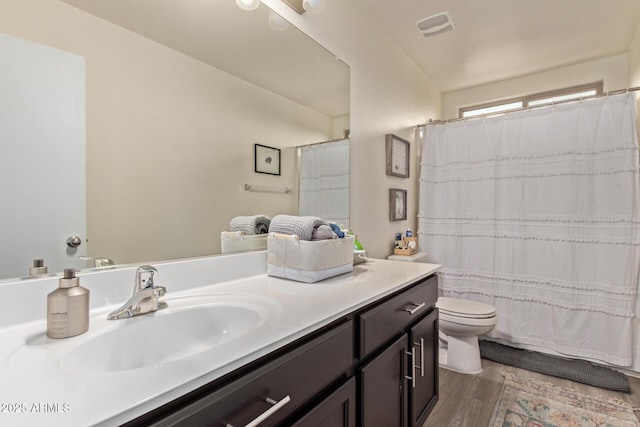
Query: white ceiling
[
  {"x": 238, "y": 42},
  {"x": 493, "y": 40},
  {"x": 500, "y": 39}
]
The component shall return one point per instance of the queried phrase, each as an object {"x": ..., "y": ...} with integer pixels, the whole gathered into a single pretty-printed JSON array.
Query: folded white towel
[
  {"x": 302, "y": 226},
  {"x": 323, "y": 232},
  {"x": 254, "y": 224}
]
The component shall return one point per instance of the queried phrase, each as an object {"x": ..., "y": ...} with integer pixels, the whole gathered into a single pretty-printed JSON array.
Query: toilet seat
[
  {"x": 465, "y": 309},
  {"x": 467, "y": 321}
]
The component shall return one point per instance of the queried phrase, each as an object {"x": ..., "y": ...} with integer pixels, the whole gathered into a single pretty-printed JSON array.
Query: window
[
  {"x": 536, "y": 100},
  {"x": 499, "y": 108}
]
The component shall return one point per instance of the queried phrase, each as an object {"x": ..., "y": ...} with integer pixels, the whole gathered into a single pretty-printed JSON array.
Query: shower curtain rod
[
  {"x": 457, "y": 119},
  {"x": 321, "y": 142}
]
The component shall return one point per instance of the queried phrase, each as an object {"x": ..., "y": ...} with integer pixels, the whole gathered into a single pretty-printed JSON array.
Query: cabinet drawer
[
  {"x": 287, "y": 382},
  {"x": 389, "y": 319}
]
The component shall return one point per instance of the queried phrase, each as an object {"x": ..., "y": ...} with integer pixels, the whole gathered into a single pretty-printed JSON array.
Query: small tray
[{"x": 407, "y": 250}]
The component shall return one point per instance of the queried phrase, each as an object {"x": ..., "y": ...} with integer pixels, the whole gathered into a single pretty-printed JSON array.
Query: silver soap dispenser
[{"x": 68, "y": 307}]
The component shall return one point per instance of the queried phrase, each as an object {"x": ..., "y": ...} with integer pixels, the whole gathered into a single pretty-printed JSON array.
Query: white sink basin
[{"x": 188, "y": 326}]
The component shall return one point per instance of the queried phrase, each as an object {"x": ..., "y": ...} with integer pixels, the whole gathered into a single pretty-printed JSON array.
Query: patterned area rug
[{"x": 530, "y": 403}]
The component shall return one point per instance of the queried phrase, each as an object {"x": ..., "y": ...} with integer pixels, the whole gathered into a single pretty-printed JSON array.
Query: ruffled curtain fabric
[
  {"x": 324, "y": 182},
  {"x": 536, "y": 213}
]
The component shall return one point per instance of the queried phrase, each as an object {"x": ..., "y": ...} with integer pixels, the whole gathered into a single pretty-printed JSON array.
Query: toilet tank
[{"x": 419, "y": 257}]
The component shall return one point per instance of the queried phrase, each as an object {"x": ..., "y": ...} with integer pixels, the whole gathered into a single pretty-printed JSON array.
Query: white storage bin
[
  {"x": 238, "y": 241},
  {"x": 308, "y": 260}
]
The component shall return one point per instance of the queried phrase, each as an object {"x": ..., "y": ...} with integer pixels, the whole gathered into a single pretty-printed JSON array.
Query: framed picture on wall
[
  {"x": 267, "y": 159},
  {"x": 397, "y": 156},
  {"x": 397, "y": 204}
]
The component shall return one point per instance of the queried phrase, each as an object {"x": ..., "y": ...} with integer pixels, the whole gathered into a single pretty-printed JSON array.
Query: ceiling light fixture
[
  {"x": 302, "y": 6},
  {"x": 313, "y": 6},
  {"x": 248, "y": 4},
  {"x": 436, "y": 24}
]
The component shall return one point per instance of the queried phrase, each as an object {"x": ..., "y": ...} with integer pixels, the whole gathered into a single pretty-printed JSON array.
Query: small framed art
[
  {"x": 397, "y": 204},
  {"x": 267, "y": 159},
  {"x": 397, "y": 156}
]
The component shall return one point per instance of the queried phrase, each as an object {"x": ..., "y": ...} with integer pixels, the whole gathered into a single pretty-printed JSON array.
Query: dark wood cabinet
[
  {"x": 275, "y": 390},
  {"x": 383, "y": 400},
  {"x": 424, "y": 338},
  {"x": 337, "y": 410},
  {"x": 377, "y": 366},
  {"x": 389, "y": 319},
  {"x": 400, "y": 382}
]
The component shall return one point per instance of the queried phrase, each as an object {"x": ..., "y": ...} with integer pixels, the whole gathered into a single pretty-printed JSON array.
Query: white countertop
[{"x": 33, "y": 380}]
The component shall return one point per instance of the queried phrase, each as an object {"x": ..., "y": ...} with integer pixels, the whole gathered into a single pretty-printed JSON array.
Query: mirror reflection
[{"x": 176, "y": 95}]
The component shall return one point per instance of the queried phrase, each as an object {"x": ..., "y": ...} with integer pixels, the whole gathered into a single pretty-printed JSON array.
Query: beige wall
[
  {"x": 634, "y": 80},
  {"x": 634, "y": 60},
  {"x": 612, "y": 71},
  {"x": 169, "y": 146},
  {"x": 389, "y": 94}
]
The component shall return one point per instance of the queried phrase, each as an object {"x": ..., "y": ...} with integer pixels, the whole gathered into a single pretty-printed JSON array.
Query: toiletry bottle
[
  {"x": 68, "y": 308},
  {"x": 38, "y": 268},
  {"x": 409, "y": 233}
]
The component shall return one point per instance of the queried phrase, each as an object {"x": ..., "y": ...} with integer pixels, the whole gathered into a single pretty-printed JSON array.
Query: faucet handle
[
  {"x": 145, "y": 277},
  {"x": 98, "y": 261}
]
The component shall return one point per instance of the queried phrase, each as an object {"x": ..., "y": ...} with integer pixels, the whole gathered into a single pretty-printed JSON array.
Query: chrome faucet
[{"x": 145, "y": 295}]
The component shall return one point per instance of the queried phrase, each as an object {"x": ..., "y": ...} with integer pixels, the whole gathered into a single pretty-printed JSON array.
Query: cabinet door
[
  {"x": 337, "y": 410},
  {"x": 383, "y": 382},
  {"x": 424, "y": 339}
]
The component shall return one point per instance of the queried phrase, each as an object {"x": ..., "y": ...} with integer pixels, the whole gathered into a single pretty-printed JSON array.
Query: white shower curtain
[
  {"x": 536, "y": 213},
  {"x": 324, "y": 181}
]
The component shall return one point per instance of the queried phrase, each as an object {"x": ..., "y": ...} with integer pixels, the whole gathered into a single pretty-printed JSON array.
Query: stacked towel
[
  {"x": 255, "y": 224},
  {"x": 323, "y": 232},
  {"x": 302, "y": 226}
]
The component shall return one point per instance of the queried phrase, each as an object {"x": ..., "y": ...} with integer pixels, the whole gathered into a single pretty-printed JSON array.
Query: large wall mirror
[{"x": 177, "y": 93}]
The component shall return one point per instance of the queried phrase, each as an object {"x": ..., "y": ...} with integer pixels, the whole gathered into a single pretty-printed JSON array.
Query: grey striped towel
[
  {"x": 255, "y": 224},
  {"x": 302, "y": 226}
]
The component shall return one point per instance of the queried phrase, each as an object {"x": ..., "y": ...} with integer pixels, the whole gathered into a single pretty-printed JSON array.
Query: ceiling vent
[{"x": 436, "y": 24}]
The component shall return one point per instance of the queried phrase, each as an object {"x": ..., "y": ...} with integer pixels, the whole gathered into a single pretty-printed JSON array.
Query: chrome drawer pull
[
  {"x": 266, "y": 414},
  {"x": 417, "y": 307},
  {"x": 413, "y": 367},
  {"x": 421, "y": 367}
]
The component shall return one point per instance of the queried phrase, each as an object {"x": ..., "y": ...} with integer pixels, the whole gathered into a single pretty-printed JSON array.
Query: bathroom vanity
[
  {"x": 386, "y": 350},
  {"x": 356, "y": 349}
]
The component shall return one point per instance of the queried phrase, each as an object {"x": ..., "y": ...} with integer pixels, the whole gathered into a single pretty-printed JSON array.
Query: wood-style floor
[{"x": 468, "y": 400}]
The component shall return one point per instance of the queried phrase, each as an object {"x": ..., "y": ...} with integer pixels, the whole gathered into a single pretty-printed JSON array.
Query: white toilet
[{"x": 461, "y": 321}]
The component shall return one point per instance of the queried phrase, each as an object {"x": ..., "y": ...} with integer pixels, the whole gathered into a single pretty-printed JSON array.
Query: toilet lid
[{"x": 465, "y": 308}]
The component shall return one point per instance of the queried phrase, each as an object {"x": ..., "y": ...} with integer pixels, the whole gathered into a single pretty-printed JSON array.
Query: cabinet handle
[
  {"x": 266, "y": 414},
  {"x": 421, "y": 367},
  {"x": 414, "y": 310},
  {"x": 413, "y": 367}
]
